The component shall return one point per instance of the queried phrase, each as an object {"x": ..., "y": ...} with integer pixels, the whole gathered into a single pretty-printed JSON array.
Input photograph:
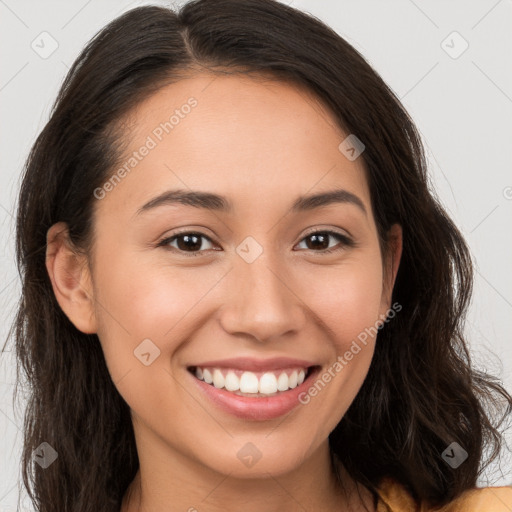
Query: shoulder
[
  {"x": 485, "y": 499},
  {"x": 395, "y": 498}
]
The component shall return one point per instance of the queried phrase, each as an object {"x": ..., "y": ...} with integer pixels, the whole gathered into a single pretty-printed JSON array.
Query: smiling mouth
[{"x": 253, "y": 384}]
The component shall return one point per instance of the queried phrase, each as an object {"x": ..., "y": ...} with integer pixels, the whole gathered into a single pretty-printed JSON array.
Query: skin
[{"x": 260, "y": 143}]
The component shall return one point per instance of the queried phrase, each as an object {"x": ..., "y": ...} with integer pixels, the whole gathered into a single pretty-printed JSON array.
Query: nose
[{"x": 260, "y": 302}]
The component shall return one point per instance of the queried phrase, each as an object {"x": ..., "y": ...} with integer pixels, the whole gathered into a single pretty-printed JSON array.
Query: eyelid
[
  {"x": 189, "y": 230},
  {"x": 165, "y": 241},
  {"x": 344, "y": 240},
  {"x": 328, "y": 230}
]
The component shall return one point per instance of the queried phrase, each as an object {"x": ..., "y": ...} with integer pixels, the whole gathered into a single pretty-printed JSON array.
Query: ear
[
  {"x": 70, "y": 278},
  {"x": 391, "y": 264}
]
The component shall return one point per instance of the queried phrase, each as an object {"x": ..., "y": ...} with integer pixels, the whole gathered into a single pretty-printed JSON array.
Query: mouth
[
  {"x": 254, "y": 395},
  {"x": 251, "y": 383}
]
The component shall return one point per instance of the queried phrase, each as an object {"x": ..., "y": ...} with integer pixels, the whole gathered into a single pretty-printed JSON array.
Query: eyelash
[{"x": 344, "y": 240}]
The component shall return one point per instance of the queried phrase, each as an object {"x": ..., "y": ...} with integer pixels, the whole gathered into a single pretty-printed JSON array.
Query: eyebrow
[{"x": 219, "y": 203}]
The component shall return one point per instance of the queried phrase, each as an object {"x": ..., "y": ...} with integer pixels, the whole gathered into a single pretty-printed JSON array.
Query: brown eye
[
  {"x": 187, "y": 242},
  {"x": 319, "y": 241}
]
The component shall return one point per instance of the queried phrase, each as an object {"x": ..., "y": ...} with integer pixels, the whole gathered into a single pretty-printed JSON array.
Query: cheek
[
  {"x": 346, "y": 298},
  {"x": 138, "y": 300}
]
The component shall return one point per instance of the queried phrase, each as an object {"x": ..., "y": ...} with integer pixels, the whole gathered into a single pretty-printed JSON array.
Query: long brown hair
[{"x": 421, "y": 392}]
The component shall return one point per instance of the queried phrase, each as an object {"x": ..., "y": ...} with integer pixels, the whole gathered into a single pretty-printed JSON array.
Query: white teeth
[
  {"x": 282, "y": 382},
  {"x": 269, "y": 383},
  {"x": 232, "y": 382},
  {"x": 248, "y": 383},
  {"x": 207, "y": 376},
  {"x": 292, "y": 379},
  {"x": 218, "y": 378}
]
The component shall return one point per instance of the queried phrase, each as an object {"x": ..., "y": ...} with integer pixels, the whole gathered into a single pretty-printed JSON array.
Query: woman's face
[{"x": 250, "y": 282}]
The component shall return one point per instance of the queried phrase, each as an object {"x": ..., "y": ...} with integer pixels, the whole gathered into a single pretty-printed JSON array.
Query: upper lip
[{"x": 251, "y": 364}]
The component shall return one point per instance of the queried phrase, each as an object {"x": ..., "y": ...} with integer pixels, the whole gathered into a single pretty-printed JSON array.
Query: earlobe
[{"x": 70, "y": 279}]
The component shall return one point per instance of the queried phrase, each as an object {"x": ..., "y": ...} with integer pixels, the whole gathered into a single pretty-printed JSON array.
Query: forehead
[{"x": 247, "y": 137}]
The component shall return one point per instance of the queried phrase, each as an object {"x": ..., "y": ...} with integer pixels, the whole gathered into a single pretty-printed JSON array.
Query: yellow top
[{"x": 394, "y": 498}]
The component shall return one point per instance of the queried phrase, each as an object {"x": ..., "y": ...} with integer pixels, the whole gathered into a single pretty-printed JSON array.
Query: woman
[{"x": 238, "y": 290}]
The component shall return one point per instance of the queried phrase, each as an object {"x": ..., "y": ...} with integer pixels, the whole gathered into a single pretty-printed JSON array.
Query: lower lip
[{"x": 257, "y": 408}]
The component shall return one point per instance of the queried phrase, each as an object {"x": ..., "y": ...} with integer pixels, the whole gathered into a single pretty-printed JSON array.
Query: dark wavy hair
[{"x": 421, "y": 392}]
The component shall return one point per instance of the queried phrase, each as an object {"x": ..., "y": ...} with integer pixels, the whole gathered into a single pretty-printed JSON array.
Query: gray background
[{"x": 462, "y": 107}]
